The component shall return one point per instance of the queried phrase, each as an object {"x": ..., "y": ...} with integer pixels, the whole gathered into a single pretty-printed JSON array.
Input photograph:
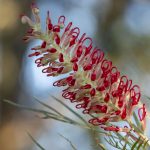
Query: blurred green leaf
[
  {"x": 47, "y": 106},
  {"x": 73, "y": 147},
  {"x": 115, "y": 139},
  {"x": 109, "y": 142},
  {"x": 140, "y": 145},
  {"x": 101, "y": 146},
  {"x": 27, "y": 108},
  {"x": 45, "y": 113},
  {"x": 124, "y": 147},
  {"x": 37, "y": 144},
  {"x": 71, "y": 110},
  {"x": 145, "y": 144},
  {"x": 138, "y": 123},
  {"x": 136, "y": 144}
]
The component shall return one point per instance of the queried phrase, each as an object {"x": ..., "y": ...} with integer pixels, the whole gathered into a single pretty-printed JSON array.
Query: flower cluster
[{"x": 92, "y": 82}]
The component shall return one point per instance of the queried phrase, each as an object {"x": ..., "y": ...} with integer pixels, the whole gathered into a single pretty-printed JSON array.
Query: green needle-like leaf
[
  {"x": 27, "y": 108},
  {"x": 137, "y": 122},
  {"x": 145, "y": 144},
  {"x": 39, "y": 146},
  {"x": 45, "y": 113},
  {"x": 71, "y": 110},
  {"x": 73, "y": 147},
  {"x": 124, "y": 147},
  {"x": 140, "y": 145},
  {"x": 136, "y": 144},
  {"x": 101, "y": 146},
  {"x": 47, "y": 106}
]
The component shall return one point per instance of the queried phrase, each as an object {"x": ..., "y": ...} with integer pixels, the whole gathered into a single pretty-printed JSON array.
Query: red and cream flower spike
[{"x": 93, "y": 83}]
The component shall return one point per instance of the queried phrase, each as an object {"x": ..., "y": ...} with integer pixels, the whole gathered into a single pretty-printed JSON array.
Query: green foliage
[
  {"x": 118, "y": 140},
  {"x": 37, "y": 144},
  {"x": 138, "y": 124},
  {"x": 72, "y": 145}
]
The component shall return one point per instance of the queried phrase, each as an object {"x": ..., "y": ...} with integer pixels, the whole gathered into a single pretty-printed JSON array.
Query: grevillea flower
[{"x": 93, "y": 82}]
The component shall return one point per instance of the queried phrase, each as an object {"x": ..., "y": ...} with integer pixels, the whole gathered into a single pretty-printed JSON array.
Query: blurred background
[{"x": 120, "y": 27}]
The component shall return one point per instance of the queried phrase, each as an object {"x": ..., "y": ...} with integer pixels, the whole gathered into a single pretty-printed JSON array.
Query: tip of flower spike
[
  {"x": 23, "y": 18},
  {"x": 35, "y": 8},
  {"x": 21, "y": 15}
]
